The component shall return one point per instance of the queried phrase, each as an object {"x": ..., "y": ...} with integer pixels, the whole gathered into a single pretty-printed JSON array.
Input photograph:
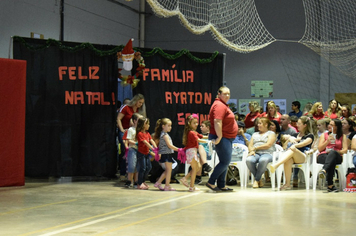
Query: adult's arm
[
  {"x": 218, "y": 130},
  {"x": 118, "y": 121},
  {"x": 344, "y": 145},
  {"x": 270, "y": 141}
]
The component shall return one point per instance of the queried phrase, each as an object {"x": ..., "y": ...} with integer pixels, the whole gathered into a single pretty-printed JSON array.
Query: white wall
[{"x": 94, "y": 21}]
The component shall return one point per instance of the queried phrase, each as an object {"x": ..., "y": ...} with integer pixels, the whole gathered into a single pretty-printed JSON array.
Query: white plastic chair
[
  {"x": 240, "y": 165},
  {"x": 305, "y": 167},
  {"x": 316, "y": 167},
  {"x": 274, "y": 159}
]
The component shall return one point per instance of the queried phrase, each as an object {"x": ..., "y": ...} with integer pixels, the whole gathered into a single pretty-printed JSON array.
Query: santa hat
[
  {"x": 129, "y": 53},
  {"x": 128, "y": 48}
]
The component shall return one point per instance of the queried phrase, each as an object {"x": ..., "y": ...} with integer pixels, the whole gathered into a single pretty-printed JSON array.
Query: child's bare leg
[
  {"x": 136, "y": 177},
  {"x": 194, "y": 165},
  {"x": 130, "y": 177},
  {"x": 168, "y": 172},
  {"x": 162, "y": 177}
]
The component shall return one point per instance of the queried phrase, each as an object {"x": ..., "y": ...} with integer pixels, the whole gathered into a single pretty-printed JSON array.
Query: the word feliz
[{"x": 74, "y": 73}]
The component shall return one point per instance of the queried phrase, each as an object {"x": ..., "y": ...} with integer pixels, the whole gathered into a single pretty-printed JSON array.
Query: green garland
[{"x": 113, "y": 51}]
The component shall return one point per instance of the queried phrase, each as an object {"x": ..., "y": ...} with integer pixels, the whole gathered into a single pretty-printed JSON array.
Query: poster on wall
[
  {"x": 279, "y": 102},
  {"x": 176, "y": 88},
  {"x": 233, "y": 104},
  {"x": 243, "y": 105},
  {"x": 262, "y": 88}
]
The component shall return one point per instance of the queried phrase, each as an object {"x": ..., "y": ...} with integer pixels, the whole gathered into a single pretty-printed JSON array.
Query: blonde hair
[
  {"x": 272, "y": 104},
  {"x": 265, "y": 121},
  {"x": 255, "y": 105},
  {"x": 311, "y": 125},
  {"x": 134, "y": 100},
  {"x": 159, "y": 128},
  {"x": 314, "y": 108}
]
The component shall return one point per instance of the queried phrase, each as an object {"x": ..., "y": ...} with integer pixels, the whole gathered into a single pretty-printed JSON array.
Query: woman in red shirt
[
  {"x": 254, "y": 113},
  {"x": 317, "y": 111},
  {"x": 124, "y": 122},
  {"x": 224, "y": 130},
  {"x": 272, "y": 113},
  {"x": 333, "y": 111}
]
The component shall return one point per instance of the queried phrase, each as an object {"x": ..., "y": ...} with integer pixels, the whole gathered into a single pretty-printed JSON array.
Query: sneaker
[
  {"x": 135, "y": 184},
  {"x": 159, "y": 186},
  {"x": 333, "y": 189},
  {"x": 193, "y": 189},
  {"x": 169, "y": 188},
  {"x": 127, "y": 184},
  {"x": 255, "y": 184},
  {"x": 207, "y": 168},
  {"x": 198, "y": 181},
  {"x": 322, "y": 174},
  {"x": 184, "y": 182}
]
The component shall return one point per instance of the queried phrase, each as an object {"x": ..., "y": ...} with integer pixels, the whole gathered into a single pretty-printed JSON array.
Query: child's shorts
[
  {"x": 131, "y": 160},
  {"x": 192, "y": 153},
  {"x": 166, "y": 158}
]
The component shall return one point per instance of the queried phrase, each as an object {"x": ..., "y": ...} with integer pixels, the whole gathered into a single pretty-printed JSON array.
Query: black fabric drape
[
  {"x": 70, "y": 120},
  {"x": 207, "y": 80}
]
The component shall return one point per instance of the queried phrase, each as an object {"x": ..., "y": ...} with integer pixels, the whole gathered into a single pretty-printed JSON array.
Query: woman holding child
[{"x": 299, "y": 143}]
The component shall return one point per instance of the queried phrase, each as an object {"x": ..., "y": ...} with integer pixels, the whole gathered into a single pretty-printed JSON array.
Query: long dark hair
[
  {"x": 140, "y": 124},
  {"x": 338, "y": 125}
]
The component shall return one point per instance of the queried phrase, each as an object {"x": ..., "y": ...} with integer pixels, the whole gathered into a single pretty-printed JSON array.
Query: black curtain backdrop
[
  {"x": 175, "y": 88},
  {"x": 70, "y": 110}
]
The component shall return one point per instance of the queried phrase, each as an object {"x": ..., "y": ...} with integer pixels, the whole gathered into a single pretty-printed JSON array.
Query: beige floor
[{"x": 60, "y": 207}]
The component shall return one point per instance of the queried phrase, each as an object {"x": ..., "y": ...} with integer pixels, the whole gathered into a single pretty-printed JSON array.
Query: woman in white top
[{"x": 261, "y": 148}]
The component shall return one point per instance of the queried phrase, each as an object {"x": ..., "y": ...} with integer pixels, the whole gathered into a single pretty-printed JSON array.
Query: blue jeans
[
  {"x": 144, "y": 166},
  {"x": 262, "y": 160},
  {"x": 223, "y": 150},
  {"x": 131, "y": 160},
  {"x": 121, "y": 160}
]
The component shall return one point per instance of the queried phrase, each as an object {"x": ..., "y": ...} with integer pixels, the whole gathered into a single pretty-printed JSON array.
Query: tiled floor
[{"x": 106, "y": 208}]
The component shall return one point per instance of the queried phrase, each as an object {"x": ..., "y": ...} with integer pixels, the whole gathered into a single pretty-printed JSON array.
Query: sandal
[
  {"x": 285, "y": 187},
  {"x": 159, "y": 186},
  {"x": 169, "y": 188},
  {"x": 184, "y": 182},
  {"x": 193, "y": 189}
]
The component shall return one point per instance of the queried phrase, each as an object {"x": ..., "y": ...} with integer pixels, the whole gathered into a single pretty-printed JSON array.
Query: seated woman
[
  {"x": 333, "y": 111},
  {"x": 352, "y": 138},
  {"x": 272, "y": 113},
  {"x": 254, "y": 113},
  {"x": 345, "y": 111},
  {"x": 332, "y": 146},
  {"x": 261, "y": 148},
  {"x": 300, "y": 142},
  {"x": 276, "y": 129},
  {"x": 317, "y": 111}
]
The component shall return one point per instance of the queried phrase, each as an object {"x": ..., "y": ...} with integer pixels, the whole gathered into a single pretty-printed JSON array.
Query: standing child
[
  {"x": 166, "y": 149},
  {"x": 144, "y": 145},
  {"x": 190, "y": 140},
  {"x": 130, "y": 141}
]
